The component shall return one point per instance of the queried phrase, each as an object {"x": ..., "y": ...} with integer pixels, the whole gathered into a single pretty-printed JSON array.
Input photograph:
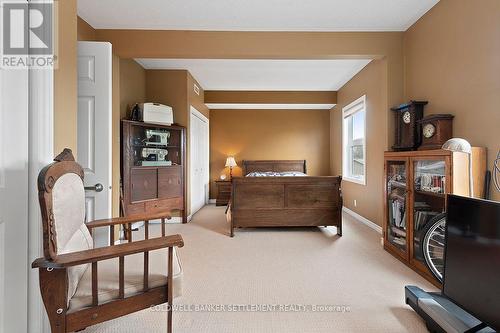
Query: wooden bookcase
[
  {"x": 151, "y": 186},
  {"x": 416, "y": 184}
]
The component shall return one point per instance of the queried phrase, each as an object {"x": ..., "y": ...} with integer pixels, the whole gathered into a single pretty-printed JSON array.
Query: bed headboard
[{"x": 274, "y": 165}]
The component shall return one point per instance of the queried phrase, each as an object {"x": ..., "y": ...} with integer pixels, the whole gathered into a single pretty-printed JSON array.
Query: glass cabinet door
[
  {"x": 155, "y": 146},
  {"x": 428, "y": 200},
  {"x": 397, "y": 192}
]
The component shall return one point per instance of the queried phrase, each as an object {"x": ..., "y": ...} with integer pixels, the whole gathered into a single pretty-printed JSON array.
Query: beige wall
[
  {"x": 269, "y": 135},
  {"x": 85, "y": 31},
  {"x": 369, "y": 196},
  {"x": 169, "y": 87},
  {"x": 129, "y": 87},
  {"x": 65, "y": 79},
  {"x": 452, "y": 57},
  {"x": 251, "y": 44},
  {"x": 132, "y": 86},
  {"x": 271, "y": 97}
]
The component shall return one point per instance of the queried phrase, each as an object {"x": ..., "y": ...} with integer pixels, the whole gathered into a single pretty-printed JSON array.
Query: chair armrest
[
  {"x": 125, "y": 220},
  {"x": 103, "y": 253}
]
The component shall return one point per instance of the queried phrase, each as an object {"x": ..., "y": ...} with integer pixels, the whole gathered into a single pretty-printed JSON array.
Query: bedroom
[{"x": 334, "y": 90}]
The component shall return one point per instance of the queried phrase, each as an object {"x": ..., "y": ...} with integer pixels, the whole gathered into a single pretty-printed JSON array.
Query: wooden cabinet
[
  {"x": 416, "y": 184},
  {"x": 223, "y": 192},
  {"x": 153, "y": 168}
]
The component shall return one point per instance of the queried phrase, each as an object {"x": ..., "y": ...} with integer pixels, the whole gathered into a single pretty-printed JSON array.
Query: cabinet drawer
[
  {"x": 224, "y": 195},
  {"x": 169, "y": 182},
  {"x": 143, "y": 184},
  {"x": 164, "y": 205},
  {"x": 223, "y": 187}
]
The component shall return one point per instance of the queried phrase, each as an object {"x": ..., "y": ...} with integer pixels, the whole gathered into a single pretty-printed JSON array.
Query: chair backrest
[{"x": 62, "y": 201}]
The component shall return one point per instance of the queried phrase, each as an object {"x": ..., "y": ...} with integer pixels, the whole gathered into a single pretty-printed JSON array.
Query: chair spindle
[
  {"x": 170, "y": 289},
  {"x": 121, "y": 278},
  {"x": 95, "y": 300},
  {"x": 111, "y": 235},
  {"x": 146, "y": 271}
]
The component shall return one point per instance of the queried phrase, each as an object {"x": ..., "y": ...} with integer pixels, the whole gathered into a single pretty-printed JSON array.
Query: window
[{"x": 354, "y": 141}]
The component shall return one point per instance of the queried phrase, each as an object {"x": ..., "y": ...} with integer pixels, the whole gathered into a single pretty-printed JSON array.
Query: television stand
[{"x": 441, "y": 315}]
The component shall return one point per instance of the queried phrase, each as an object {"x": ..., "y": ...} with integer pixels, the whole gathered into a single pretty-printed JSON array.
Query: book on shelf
[
  {"x": 399, "y": 241},
  {"x": 396, "y": 184},
  {"x": 421, "y": 205},
  {"x": 422, "y": 217},
  {"x": 397, "y": 213},
  {"x": 430, "y": 182},
  {"x": 398, "y": 231},
  {"x": 394, "y": 195}
]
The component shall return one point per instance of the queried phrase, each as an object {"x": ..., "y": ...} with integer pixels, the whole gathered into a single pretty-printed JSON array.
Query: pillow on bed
[
  {"x": 276, "y": 174},
  {"x": 292, "y": 174}
]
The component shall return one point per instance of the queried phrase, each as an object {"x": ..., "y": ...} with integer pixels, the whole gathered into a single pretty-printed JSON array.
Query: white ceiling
[
  {"x": 255, "y": 15},
  {"x": 233, "y": 74}
]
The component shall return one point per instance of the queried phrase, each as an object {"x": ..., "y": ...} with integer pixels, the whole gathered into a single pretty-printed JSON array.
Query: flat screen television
[{"x": 472, "y": 257}]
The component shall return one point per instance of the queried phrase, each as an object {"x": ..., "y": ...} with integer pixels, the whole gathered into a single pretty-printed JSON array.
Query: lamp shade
[
  {"x": 458, "y": 145},
  {"x": 230, "y": 162}
]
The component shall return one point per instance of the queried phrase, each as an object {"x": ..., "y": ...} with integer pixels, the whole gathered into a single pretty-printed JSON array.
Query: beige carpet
[{"x": 294, "y": 267}]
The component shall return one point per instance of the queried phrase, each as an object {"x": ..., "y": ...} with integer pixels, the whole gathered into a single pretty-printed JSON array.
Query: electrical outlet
[{"x": 355, "y": 203}]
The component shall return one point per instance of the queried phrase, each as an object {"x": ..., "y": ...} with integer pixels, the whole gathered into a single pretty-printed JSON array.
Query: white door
[
  {"x": 94, "y": 129},
  {"x": 199, "y": 153},
  {"x": 14, "y": 200}
]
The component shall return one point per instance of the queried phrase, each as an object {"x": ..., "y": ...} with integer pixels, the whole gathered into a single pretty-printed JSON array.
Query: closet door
[{"x": 199, "y": 160}]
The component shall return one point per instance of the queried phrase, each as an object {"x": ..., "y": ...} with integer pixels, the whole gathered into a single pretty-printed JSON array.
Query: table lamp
[
  {"x": 462, "y": 146},
  {"x": 230, "y": 162}
]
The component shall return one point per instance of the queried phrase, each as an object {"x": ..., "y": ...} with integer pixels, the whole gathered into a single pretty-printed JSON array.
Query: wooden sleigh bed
[{"x": 284, "y": 201}]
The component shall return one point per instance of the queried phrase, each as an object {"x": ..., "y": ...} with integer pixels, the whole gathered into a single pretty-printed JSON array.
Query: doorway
[{"x": 199, "y": 158}]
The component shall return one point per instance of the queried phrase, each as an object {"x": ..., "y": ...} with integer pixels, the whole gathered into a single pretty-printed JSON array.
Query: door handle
[{"x": 97, "y": 187}]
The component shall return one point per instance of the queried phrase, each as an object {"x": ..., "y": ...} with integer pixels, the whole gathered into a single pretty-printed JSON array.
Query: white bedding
[{"x": 276, "y": 174}]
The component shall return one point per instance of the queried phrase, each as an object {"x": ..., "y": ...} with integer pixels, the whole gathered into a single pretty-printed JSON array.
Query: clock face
[
  {"x": 429, "y": 130},
  {"x": 406, "y": 117}
]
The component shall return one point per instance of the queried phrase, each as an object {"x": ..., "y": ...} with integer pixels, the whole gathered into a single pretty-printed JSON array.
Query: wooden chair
[{"x": 75, "y": 293}]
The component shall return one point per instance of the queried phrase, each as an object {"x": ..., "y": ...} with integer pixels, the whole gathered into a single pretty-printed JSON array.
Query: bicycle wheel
[{"x": 433, "y": 245}]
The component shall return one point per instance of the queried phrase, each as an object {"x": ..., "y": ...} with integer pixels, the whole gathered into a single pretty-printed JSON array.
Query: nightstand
[{"x": 223, "y": 192}]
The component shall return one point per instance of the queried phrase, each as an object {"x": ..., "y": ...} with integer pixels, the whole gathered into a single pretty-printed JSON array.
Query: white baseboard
[
  {"x": 212, "y": 201},
  {"x": 363, "y": 220}
]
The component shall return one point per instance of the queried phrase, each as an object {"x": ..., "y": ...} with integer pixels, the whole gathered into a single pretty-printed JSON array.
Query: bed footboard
[{"x": 285, "y": 202}]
